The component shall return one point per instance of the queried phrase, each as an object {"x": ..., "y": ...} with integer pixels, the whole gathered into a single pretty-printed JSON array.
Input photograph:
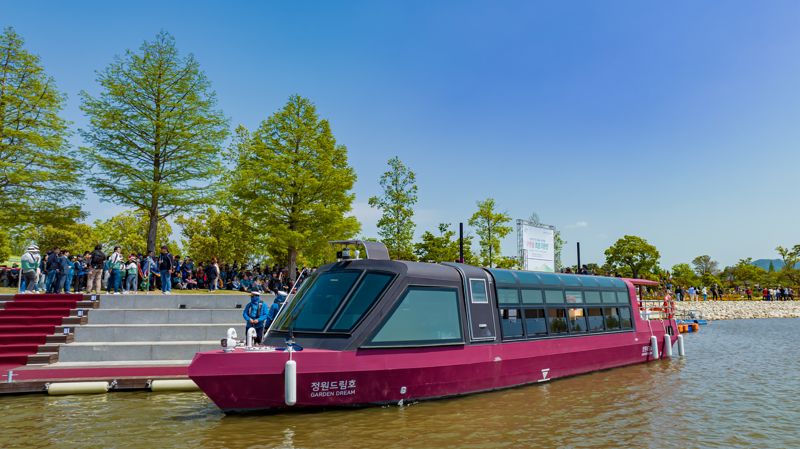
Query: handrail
[
  {"x": 657, "y": 309},
  {"x": 289, "y": 299}
]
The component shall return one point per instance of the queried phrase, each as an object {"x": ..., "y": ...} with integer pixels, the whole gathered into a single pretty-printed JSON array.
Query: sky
[{"x": 675, "y": 121}]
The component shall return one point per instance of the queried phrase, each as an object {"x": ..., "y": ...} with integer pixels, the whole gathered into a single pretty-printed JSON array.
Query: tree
[
  {"x": 633, "y": 254},
  {"x": 129, "y": 230},
  {"x": 5, "y": 245},
  {"x": 293, "y": 180},
  {"x": 683, "y": 275},
  {"x": 490, "y": 226},
  {"x": 789, "y": 272},
  {"x": 396, "y": 225},
  {"x": 225, "y": 234},
  {"x": 443, "y": 247},
  {"x": 704, "y": 265},
  {"x": 155, "y": 134},
  {"x": 76, "y": 237},
  {"x": 38, "y": 170}
]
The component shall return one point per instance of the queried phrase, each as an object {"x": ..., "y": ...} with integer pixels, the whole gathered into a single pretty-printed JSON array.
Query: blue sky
[{"x": 676, "y": 121}]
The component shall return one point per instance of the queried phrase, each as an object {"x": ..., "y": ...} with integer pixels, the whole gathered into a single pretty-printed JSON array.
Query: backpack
[{"x": 98, "y": 258}]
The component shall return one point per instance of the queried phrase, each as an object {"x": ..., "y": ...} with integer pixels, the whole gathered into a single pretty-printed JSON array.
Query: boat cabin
[{"x": 366, "y": 304}]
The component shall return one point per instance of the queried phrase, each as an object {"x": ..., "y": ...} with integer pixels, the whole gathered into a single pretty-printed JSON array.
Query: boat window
[
  {"x": 609, "y": 297},
  {"x": 535, "y": 323},
  {"x": 574, "y": 296},
  {"x": 588, "y": 281},
  {"x": 507, "y": 296},
  {"x": 511, "y": 323},
  {"x": 623, "y": 297},
  {"x": 320, "y": 301},
  {"x": 554, "y": 296},
  {"x": 549, "y": 279},
  {"x": 288, "y": 310},
  {"x": 557, "y": 321},
  {"x": 569, "y": 280},
  {"x": 532, "y": 296},
  {"x": 577, "y": 320},
  {"x": 504, "y": 276},
  {"x": 625, "y": 317},
  {"x": 425, "y": 315},
  {"x": 367, "y": 292},
  {"x": 595, "y": 319},
  {"x": 612, "y": 318},
  {"x": 477, "y": 289},
  {"x": 618, "y": 283},
  {"x": 592, "y": 297},
  {"x": 528, "y": 278},
  {"x": 604, "y": 281}
]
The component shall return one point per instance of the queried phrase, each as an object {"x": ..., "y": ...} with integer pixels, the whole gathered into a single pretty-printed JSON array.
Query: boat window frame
[
  {"x": 368, "y": 344},
  {"x": 545, "y": 307},
  {"x": 485, "y": 291},
  {"x": 346, "y": 300}
]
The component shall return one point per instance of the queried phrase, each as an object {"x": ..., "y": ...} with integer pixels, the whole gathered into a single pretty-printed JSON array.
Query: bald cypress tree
[
  {"x": 39, "y": 172},
  {"x": 155, "y": 134}
]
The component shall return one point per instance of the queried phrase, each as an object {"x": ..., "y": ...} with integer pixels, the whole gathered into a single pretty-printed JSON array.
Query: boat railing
[{"x": 658, "y": 309}]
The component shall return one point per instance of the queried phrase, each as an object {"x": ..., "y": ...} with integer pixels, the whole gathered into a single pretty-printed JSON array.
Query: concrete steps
[
  {"x": 139, "y": 329},
  {"x": 123, "y": 351},
  {"x": 154, "y": 332},
  {"x": 162, "y": 316}
]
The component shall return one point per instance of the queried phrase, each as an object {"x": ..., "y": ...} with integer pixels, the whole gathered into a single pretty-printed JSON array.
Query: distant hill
[{"x": 777, "y": 264}]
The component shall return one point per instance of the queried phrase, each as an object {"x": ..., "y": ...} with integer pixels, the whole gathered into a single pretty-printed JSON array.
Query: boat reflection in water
[{"x": 376, "y": 331}]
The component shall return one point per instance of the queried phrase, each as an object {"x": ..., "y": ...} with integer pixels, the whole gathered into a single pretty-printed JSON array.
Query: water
[{"x": 738, "y": 387}]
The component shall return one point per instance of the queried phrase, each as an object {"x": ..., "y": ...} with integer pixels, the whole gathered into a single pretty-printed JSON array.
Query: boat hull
[{"x": 251, "y": 381}]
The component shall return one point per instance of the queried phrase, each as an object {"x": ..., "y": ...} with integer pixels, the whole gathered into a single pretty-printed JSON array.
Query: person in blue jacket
[
  {"x": 280, "y": 297},
  {"x": 255, "y": 315}
]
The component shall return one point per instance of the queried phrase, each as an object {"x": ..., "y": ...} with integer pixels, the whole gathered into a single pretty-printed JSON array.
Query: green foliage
[
  {"x": 76, "y": 237},
  {"x": 509, "y": 262},
  {"x": 5, "y": 245},
  {"x": 683, "y": 275},
  {"x": 129, "y": 230},
  {"x": 632, "y": 255},
  {"x": 155, "y": 135},
  {"x": 789, "y": 274},
  {"x": 227, "y": 235},
  {"x": 443, "y": 247},
  {"x": 704, "y": 265},
  {"x": 396, "y": 225},
  {"x": 490, "y": 225},
  {"x": 293, "y": 180},
  {"x": 39, "y": 173}
]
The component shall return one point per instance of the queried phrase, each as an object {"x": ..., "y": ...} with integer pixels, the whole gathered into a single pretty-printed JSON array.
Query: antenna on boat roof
[{"x": 372, "y": 250}]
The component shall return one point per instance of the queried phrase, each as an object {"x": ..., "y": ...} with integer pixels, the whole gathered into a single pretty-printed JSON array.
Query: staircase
[
  {"x": 136, "y": 330},
  {"x": 28, "y": 324}
]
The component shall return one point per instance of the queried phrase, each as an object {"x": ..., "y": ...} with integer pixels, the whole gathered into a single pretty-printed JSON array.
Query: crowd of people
[{"x": 58, "y": 271}]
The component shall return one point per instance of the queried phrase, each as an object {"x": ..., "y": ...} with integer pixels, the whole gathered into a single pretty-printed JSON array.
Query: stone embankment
[{"x": 734, "y": 310}]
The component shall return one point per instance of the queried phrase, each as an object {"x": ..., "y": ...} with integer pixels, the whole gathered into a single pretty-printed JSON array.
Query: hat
[
  {"x": 254, "y": 292},
  {"x": 33, "y": 248},
  {"x": 282, "y": 293}
]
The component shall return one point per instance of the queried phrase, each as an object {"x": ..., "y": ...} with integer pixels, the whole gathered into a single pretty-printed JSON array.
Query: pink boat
[{"x": 377, "y": 331}]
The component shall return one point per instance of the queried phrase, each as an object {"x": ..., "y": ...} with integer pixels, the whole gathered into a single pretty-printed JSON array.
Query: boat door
[{"x": 479, "y": 302}]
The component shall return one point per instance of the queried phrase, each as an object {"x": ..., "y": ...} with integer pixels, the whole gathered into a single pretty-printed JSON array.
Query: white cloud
[{"x": 578, "y": 224}]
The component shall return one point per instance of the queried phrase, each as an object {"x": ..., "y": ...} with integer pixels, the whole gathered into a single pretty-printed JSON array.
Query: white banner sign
[{"x": 538, "y": 245}]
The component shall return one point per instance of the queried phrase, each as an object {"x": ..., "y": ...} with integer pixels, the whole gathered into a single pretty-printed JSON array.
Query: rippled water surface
[{"x": 738, "y": 387}]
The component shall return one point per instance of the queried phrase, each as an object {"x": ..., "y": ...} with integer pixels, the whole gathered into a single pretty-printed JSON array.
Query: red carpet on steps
[{"x": 26, "y": 322}]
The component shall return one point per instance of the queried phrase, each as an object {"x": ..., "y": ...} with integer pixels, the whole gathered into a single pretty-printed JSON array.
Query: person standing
[
  {"x": 69, "y": 272},
  {"x": 30, "y": 268},
  {"x": 63, "y": 271},
  {"x": 96, "y": 261},
  {"x": 165, "y": 267},
  {"x": 115, "y": 265},
  {"x": 255, "y": 315},
  {"x": 148, "y": 267},
  {"x": 132, "y": 272},
  {"x": 212, "y": 273},
  {"x": 51, "y": 268}
]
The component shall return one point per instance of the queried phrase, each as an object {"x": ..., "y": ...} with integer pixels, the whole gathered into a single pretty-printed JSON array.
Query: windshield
[{"x": 314, "y": 305}]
